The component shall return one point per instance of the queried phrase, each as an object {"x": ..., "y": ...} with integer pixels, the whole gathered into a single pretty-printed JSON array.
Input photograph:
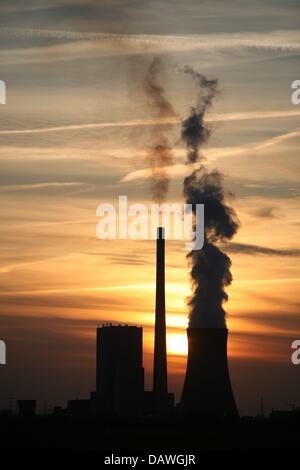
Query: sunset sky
[{"x": 75, "y": 132}]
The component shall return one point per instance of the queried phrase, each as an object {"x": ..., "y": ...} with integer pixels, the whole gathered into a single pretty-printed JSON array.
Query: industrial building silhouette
[
  {"x": 119, "y": 371},
  {"x": 120, "y": 374},
  {"x": 119, "y": 361},
  {"x": 121, "y": 414}
]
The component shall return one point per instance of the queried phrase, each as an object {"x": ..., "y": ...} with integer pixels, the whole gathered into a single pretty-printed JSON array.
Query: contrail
[
  {"x": 33, "y": 186},
  {"x": 94, "y": 125},
  {"x": 178, "y": 169},
  {"x": 225, "y": 117},
  {"x": 275, "y": 40},
  {"x": 77, "y": 290},
  {"x": 132, "y": 287}
]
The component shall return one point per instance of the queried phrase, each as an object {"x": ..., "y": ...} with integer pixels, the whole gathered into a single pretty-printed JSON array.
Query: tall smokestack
[
  {"x": 160, "y": 383},
  {"x": 207, "y": 389}
]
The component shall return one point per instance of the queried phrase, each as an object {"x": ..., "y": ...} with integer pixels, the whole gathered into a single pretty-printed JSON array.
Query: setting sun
[{"x": 177, "y": 344}]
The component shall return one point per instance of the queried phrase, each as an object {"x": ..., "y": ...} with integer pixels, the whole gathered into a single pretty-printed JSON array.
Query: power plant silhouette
[
  {"x": 160, "y": 377},
  {"x": 119, "y": 370},
  {"x": 120, "y": 374},
  {"x": 120, "y": 390},
  {"x": 119, "y": 361},
  {"x": 120, "y": 414},
  {"x": 207, "y": 387}
]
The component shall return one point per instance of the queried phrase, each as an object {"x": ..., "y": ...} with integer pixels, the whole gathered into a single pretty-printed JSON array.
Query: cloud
[
  {"x": 38, "y": 186},
  {"x": 176, "y": 171},
  {"x": 283, "y": 324},
  {"x": 181, "y": 170},
  {"x": 253, "y": 147},
  {"x": 278, "y": 139},
  {"x": 254, "y": 115},
  {"x": 92, "y": 125},
  {"x": 244, "y": 248},
  {"x": 11, "y": 267},
  {"x": 79, "y": 289},
  {"x": 287, "y": 41},
  {"x": 84, "y": 302},
  {"x": 266, "y": 213},
  {"x": 224, "y": 117},
  {"x": 128, "y": 259}
]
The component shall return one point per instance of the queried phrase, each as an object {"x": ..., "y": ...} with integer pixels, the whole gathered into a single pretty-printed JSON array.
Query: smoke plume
[
  {"x": 210, "y": 267},
  {"x": 194, "y": 131},
  {"x": 160, "y": 152}
]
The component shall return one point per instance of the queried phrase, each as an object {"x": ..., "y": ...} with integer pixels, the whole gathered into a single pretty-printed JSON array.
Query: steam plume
[{"x": 210, "y": 267}]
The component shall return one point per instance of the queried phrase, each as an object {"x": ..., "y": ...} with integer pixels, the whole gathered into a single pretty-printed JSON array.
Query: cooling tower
[{"x": 207, "y": 389}]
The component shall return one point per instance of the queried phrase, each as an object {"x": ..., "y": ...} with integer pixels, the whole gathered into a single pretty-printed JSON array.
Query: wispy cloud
[
  {"x": 275, "y": 40},
  {"x": 224, "y": 117},
  {"x": 11, "y": 267},
  {"x": 37, "y": 186},
  {"x": 175, "y": 171},
  {"x": 181, "y": 170},
  {"x": 92, "y": 125},
  {"x": 248, "y": 249},
  {"x": 83, "y": 289},
  {"x": 266, "y": 213}
]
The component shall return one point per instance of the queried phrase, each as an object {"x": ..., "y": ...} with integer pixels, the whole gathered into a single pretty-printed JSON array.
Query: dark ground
[{"x": 172, "y": 433}]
